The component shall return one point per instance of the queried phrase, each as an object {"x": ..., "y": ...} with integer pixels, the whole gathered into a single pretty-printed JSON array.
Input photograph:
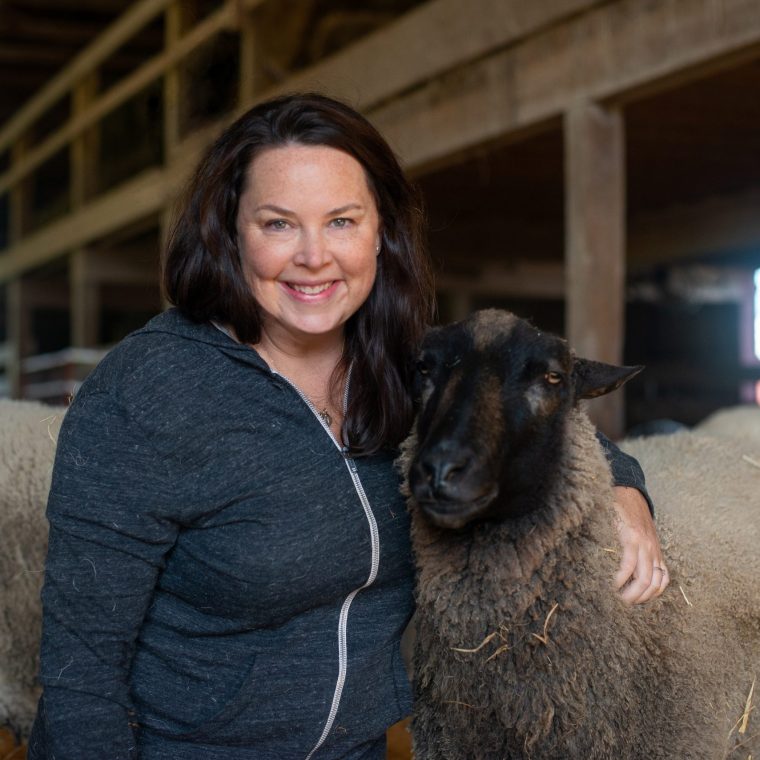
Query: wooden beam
[
  {"x": 595, "y": 254},
  {"x": 427, "y": 42},
  {"x": 627, "y": 47},
  {"x": 524, "y": 279},
  {"x": 727, "y": 224},
  {"x": 144, "y": 196}
]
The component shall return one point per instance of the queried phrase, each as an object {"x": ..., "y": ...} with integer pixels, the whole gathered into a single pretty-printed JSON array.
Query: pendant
[{"x": 325, "y": 416}]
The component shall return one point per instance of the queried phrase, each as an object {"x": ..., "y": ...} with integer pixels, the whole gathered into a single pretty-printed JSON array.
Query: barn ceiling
[{"x": 39, "y": 37}]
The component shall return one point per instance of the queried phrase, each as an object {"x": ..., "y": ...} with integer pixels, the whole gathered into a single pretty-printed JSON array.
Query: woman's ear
[{"x": 592, "y": 379}]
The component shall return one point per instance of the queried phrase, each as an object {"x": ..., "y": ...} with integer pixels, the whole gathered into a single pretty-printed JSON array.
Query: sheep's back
[
  {"x": 28, "y": 434},
  {"x": 740, "y": 423},
  {"x": 706, "y": 493}
]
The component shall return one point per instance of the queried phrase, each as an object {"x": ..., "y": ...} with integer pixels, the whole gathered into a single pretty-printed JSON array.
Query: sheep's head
[{"x": 493, "y": 396}]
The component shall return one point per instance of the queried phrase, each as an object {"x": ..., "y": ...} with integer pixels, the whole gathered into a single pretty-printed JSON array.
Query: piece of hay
[
  {"x": 544, "y": 639},
  {"x": 487, "y": 640},
  {"x": 747, "y": 709},
  {"x": 685, "y": 598}
]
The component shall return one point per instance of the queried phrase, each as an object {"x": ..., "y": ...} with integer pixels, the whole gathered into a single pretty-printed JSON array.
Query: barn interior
[{"x": 594, "y": 166}]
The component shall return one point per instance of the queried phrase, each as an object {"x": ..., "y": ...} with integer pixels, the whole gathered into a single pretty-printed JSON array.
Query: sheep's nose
[{"x": 440, "y": 471}]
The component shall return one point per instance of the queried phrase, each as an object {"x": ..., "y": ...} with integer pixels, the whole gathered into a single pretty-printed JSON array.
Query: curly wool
[
  {"x": 557, "y": 666},
  {"x": 27, "y": 449}
]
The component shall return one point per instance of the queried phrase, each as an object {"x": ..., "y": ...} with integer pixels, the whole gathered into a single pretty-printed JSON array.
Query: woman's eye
[
  {"x": 341, "y": 223},
  {"x": 553, "y": 378},
  {"x": 276, "y": 224}
]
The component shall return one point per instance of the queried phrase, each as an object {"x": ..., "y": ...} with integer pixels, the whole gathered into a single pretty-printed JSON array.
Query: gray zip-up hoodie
[{"x": 222, "y": 582}]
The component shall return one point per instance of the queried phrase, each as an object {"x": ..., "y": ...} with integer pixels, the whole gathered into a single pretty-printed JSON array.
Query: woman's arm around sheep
[{"x": 642, "y": 573}]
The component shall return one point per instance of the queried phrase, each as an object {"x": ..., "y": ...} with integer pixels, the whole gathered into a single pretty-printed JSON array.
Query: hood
[{"x": 174, "y": 322}]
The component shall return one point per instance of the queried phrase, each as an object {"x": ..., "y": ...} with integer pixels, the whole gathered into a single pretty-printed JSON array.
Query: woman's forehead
[{"x": 295, "y": 168}]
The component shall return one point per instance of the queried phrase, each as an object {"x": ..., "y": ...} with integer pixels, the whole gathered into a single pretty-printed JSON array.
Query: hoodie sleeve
[
  {"x": 109, "y": 534},
  {"x": 626, "y": 471}
]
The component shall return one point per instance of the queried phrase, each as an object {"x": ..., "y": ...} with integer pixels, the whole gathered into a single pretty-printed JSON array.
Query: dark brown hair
[{"x": 203, "y": 274}]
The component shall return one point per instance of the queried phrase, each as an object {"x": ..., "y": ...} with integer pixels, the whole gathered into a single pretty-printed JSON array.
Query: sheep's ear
[{"x": 594, "y": 379}]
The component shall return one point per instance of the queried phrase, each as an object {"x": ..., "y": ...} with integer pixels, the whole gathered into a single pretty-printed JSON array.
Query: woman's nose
[{"x": 313, "y": 251}]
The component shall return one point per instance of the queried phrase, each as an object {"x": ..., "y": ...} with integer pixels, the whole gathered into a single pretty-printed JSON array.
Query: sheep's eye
[
  {"x": 553, "y": 378},
  {"x": 423, "y": 368}
]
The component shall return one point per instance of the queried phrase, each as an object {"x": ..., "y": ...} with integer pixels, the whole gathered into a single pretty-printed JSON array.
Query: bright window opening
[{"x": 756, "y": 315}]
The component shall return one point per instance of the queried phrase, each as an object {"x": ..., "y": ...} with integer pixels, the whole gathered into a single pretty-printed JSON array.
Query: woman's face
[{"x": 308, "y": 232}]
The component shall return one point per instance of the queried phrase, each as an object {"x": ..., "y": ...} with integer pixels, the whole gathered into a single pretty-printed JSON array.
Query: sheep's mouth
[{"x": 454, "y": 515}]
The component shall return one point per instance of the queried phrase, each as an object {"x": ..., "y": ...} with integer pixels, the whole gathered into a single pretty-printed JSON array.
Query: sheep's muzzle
[{"x": 450, "y": 486}]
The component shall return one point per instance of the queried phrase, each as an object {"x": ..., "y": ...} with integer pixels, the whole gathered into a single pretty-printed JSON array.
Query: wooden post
[
  {"x": 84, "y": 304},
  {"x": 250, "y": 70},
  {"x": 85, "y": 299},
  {"x": 14, "y": 336},
  {"x": 595, "y": 244},
  {"x": 173, "y": 25},
  {"x": 18, "y": 197},
  {"x": 16, "y": 317},
  {"x": 84, "y": 147}
]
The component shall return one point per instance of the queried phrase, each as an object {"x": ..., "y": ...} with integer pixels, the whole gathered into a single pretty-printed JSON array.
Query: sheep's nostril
[{"x": 441, "y": 473}]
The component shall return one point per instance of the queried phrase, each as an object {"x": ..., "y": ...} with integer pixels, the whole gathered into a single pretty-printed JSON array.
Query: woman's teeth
[{"x": 311, "y": 290}]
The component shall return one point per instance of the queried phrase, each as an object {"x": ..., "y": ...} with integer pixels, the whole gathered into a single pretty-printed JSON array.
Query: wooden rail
[{"x": 224, "y": 18}]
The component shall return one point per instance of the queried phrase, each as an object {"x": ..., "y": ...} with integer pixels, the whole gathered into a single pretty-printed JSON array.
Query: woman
[{"x": 229, "y": 569}]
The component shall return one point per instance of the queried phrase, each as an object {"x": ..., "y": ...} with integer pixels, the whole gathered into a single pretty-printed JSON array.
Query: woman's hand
[{"x": 642, "y": 574}]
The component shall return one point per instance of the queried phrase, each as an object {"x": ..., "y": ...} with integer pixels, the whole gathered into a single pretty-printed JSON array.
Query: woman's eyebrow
[
  {"x": 288, "y": 212},
  {"x": 276, "y": 209},
  {"x": 347, "y": 207}
]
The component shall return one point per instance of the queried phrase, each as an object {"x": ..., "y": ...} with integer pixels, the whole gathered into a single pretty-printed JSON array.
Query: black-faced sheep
[
  {"x": 523, "y": 649},
  {"x": 28, "y": 433}
]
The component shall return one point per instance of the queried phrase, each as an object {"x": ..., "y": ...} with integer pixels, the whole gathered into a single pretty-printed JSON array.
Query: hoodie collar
[{"x": 174, "y": 322}]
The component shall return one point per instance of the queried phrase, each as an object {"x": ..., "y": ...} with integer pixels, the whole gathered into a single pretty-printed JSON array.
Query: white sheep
[
  {"x": 523, "y": 649},
  {"x": 28, "y": 433},
  {"x": 741, "y": 423}
]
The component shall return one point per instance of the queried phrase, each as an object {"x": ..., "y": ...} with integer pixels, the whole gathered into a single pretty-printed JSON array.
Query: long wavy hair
[{"x": 203, "y": 273}]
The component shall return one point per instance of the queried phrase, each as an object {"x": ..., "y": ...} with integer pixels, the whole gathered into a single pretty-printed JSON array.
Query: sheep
[
  {"x": 523, "y": 649},
  {"x": 738, "y": 422},
  {"x": 28, "y": 432}
]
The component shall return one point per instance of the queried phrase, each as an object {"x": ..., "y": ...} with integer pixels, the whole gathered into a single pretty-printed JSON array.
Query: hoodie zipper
[{"x": 375, "y": 540}]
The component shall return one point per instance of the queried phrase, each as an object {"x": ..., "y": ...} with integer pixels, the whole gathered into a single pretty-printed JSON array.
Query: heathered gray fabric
[{"x": 204, "y": 532}]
